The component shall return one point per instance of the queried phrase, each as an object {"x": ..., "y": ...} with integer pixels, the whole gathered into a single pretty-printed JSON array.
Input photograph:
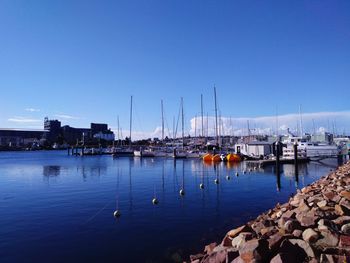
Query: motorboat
[
  {"x": 144, "y": 153},
  {"x": 310, "y": 149}
]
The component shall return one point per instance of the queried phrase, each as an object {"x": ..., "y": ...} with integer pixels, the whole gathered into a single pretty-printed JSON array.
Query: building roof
[{"x": 260, "y": 143}]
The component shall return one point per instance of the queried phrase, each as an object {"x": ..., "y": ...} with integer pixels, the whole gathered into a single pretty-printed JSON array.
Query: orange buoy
[
  {"x": 231, "y": 157},
  {"x": 207, "y": 157},
  {"x": 216, "y": 158}
]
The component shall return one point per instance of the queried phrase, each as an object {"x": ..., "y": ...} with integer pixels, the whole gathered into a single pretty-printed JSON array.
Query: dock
[{"x": 264, "y": 162}]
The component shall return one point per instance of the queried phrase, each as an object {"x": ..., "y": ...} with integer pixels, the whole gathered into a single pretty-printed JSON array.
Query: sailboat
[
  {"x": 214, "y": 157},
  {"x": 182, "y": 153},
  {"x": 118, "y": 152}
]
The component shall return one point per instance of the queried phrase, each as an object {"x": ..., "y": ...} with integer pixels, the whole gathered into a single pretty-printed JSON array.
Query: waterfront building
[
  {"x": 73, "y": 135},
  {"x": 15, "y": 138},
  {"x": 54, "y": 129},
  {"x": 255, "y": 148},
  {"x": 98, "y": 127},
  {"x": 105, "y": 135}
]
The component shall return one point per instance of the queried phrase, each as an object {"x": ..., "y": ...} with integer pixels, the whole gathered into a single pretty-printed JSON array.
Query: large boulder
[
  {"x": 310, "y": 235},
  {"x": 227, "y": 241},
  {"x": 345, "y": 194},
  {"x": 329, "y": 239},
  {"x": 255, "y": 249},
  {"x": 307, "y": 219},
  {"x": 239, "y": 240}
]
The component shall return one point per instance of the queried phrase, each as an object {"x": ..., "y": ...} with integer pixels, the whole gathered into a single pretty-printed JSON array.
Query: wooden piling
[{"x": 296, "y": 169}]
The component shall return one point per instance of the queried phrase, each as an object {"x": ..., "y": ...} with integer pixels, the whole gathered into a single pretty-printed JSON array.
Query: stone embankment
[{"x": 313, "y": 226}]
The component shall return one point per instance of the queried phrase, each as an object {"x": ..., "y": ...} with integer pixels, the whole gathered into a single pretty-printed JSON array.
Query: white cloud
[
  {"x": 32, "y": 110},
  {"x": 138, "y": 135},
  {"x": 17, "y": 119},
  {"x": 264, "y": 125},
  {"x": 337, "y": 121}
]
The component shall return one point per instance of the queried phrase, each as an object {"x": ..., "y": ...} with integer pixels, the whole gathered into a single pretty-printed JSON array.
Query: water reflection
[
  {"x": 207, "y": 181},
  {"x": 127, "y": 185},
  {"x": 51, "y": 170}
]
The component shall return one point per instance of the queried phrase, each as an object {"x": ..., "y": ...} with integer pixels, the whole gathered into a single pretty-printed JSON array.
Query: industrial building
[{"x": 54, "y": 133}]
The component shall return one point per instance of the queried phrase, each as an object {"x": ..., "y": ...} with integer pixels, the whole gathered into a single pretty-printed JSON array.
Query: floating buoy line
[{"x": 155, "y": 201}]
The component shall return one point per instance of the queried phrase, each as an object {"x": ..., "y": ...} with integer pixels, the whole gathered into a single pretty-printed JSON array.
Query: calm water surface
[{"x": 59, "y": 208}]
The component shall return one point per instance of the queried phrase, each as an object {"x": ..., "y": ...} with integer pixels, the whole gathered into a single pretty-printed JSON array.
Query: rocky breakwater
[{"x": 313, "y": 226}]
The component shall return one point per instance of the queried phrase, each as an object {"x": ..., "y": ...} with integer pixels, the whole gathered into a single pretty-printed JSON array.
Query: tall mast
[
  {"x": 248, "y": 130},
  {"x": 130, "y": 119},
  {"x": 195, "y": 126},
  {"x": 174, "y": 127},
  {"x": 220, "y": 129},
  {"x": 301, "y": 121},
  {"x": 182, "y": 121},
  {"x": 161, "y": 102},
  {"x": 207, "y": 125},
  {"x": 202, "y": 115},
  {"x": 216, "y": 118},
  {"x": 277, "y": 135},
  {"x": 118, "y": 130}
]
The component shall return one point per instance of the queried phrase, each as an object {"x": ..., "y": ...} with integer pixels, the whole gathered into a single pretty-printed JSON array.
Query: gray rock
[
  {"x": 275, "y": 241},
  {"x": 330, "y": 239},
  {"x": 197, "y": 256},
  {"x": 239, "y": 240},
  {"x": 238, "y": 260},
  {"x": 345, "y": 194},
  {"x": 342, "y": 220},
  {"x": 235, "y": 232},
  {"x": 307, "y": 219},
  {"x": 346, "y": 228},
  {"x": 322, "y": 203},
  {"x": 309, "y": 235},
  {"x": 291, "y": 225},
  {"x": 332, "y": 196},
  {"x": 297, "y": 233},
  {"x": 254, "y": 250},
  {"x": 209, "y": 248},
  {"x": 268, "y": 231}
]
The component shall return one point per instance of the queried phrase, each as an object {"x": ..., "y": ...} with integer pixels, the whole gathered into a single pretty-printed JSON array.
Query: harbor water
[{"x": 59, "y": 208}]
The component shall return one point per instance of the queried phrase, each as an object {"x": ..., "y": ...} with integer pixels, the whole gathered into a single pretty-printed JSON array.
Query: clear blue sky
[{"x": 85, "y": 58}]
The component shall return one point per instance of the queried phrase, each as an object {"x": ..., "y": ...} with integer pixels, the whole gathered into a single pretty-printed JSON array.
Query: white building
[{"x": 256, "y": 148}]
